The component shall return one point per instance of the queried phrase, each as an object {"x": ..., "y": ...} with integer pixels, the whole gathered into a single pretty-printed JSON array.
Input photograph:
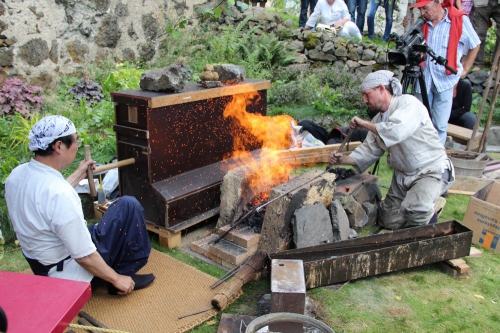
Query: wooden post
[
  {"x": 494, "y": 70},
  {"x": 90, "y": 175}
]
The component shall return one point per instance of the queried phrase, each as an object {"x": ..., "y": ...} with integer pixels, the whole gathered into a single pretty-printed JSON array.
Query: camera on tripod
[{"x": 411, "y": 46}]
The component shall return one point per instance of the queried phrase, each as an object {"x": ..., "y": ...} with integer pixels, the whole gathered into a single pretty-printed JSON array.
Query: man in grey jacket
[{"x": 403, "y": 129}]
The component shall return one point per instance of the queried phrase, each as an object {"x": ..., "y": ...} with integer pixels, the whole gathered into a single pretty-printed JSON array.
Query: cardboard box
[{"x": 483, "y": 217}]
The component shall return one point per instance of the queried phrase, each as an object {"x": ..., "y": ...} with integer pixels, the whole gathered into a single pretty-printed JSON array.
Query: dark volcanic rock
[{"x": 171, "y": 78}]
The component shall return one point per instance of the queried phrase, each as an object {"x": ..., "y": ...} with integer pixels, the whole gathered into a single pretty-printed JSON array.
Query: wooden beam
[
  {"x": 311, "y": 155},
  {"x": 468, "y": 185}
]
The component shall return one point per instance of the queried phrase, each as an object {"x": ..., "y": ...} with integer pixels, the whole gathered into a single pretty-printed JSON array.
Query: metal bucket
[
  {"x": 309, "y": 324},
  {"x": 465, "y": 162}
]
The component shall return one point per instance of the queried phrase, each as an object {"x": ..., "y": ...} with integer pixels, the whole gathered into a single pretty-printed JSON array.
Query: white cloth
[
  {"x": 328, "y": 14},
  {"x": 382, "y": 77},
  {"x": 47, "y": 129},
  {"x": 47, "y": 216},
  {"x": 407, "y": 135}
]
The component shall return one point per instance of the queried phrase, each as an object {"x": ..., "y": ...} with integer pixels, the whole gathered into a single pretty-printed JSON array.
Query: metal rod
[
  {"x": 194, "y": 313},
  {"x": 346, "y": 140},
  {"x": 228, "y": 274}
]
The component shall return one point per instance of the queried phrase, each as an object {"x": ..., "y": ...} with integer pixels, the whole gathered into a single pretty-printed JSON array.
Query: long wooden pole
[
  {"x": 113, "y": 165},
  {"x": 90, "y": 175},
  {"x": 486, "y": 92}
]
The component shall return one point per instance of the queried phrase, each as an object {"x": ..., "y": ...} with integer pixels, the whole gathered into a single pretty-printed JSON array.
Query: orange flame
[{"x": 272, "y": 133}]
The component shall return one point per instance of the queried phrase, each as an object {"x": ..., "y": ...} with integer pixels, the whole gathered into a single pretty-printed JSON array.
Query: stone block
[
  {"x": 368, "y": 192},
  {"x": 371, "y": 211},
  {"x": 202, "y": 245},
  {"x": 229, "y": 252},
  {"x": 244, "y": 237},
  {"x": 355, "y": 213},
  {"x": 311, "y": 226},
  {"x": 276, "y": 232},
  {"x": 340, "y": 221}
]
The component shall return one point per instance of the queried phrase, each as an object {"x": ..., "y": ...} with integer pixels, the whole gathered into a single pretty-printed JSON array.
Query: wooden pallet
[{"x": 166, "y": 238}]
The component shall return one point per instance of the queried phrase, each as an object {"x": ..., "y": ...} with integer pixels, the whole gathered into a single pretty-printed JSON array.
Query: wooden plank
[
  {"x": 463, "y": 135},
  {"x": 451, "y": 191},
  {"x": 468, "y": 184},
  {"x": 449, "y": 270},
  {"x": 456, "y": 262},
  {"x": 475, "y": 253},
  {"x": 459, "y": 132},
  {"x": 192, "y": 92}
]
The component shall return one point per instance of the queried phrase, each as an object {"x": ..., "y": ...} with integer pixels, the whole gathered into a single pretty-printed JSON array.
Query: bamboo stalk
[{"x": 224, "y": 297}]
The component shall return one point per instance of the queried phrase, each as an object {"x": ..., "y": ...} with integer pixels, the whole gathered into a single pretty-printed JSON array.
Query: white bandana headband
[
  {"x": 47, "y": 129},
  {"x": 384, "y": 78}
]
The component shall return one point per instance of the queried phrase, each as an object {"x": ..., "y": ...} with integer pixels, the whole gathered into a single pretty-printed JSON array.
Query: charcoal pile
[
  {"x": 256, "y": 219},
  {"x": 342, "y": 173}
]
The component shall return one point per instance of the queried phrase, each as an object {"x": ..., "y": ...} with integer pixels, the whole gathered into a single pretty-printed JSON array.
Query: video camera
[{"x": 411, "y": 46}]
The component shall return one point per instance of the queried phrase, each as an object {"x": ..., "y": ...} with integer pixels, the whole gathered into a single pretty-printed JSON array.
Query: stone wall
[{"x": 40, "y": 38}]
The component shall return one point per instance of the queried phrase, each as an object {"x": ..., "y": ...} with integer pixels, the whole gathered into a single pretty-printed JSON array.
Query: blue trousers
[
  {"x": 121, "y": 236},
  {"x": 372, "y": 10},
  {"x": 306, "y": 5},
  {"x": 357, "y": 6}
]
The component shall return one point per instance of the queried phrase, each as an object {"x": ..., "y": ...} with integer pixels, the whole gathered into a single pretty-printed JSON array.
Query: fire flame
[{"x": 273, "y": 133}]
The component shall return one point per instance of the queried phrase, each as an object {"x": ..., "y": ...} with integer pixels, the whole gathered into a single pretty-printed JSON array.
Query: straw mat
[{"x": 178, "y": 290}]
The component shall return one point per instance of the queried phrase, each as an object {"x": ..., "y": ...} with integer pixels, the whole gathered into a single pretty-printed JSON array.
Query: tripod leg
[{"x": 423, "y": 90}]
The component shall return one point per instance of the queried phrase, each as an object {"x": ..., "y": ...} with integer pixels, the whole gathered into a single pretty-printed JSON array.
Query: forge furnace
[{"x": 181, "y": 143}]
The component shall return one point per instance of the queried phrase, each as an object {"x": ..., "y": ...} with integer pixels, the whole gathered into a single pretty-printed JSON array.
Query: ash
[
  {"x": 256, "y": 219},
  {"x": 342, "y": 173}
]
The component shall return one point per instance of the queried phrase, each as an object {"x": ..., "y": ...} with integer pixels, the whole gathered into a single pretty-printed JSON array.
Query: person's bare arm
[
  {"x": 469, "y": 60},
  {"x": 95, "y": 265},
  {"x": 458, "y": 4},
  {"x": 339, "y": 158},
  {"x": 80, "y": 173}
]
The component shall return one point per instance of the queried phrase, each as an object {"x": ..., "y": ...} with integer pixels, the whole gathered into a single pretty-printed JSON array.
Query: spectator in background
[
  {"x": 335, "y": 14},
  {"x": 450, "y": 44},
  {"x": 372, "y": 10},
  {"x": 466, "y": 6},
  {"x": 305, "y": 7},
  {"x": 484, "y": 11},
  {"x": 412, "y": 15},
  {"x": 360, "y": 7},
  {"x": 462, "y": 101},
  {"x": 255, "y": 2}
]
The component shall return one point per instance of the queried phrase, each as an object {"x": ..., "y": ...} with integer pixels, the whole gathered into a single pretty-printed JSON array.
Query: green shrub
[
  {"x": 87, "y": 89},
  {"x": 123, "y": 79}
]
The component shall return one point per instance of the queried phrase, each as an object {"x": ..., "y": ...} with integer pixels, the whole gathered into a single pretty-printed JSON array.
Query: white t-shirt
[
  {"x": 47, "y": 216},
  {"x": 328, "y": 14}
]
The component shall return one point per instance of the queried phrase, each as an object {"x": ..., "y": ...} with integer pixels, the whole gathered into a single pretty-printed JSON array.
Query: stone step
[
  {"x": 202, "y": 245},
  {"x": 244, "y": 237},
  {"x": 228, "y": 251}
]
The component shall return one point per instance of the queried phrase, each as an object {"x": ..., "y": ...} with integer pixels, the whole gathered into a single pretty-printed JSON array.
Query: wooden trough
[{"x": 383, "y": 253}]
